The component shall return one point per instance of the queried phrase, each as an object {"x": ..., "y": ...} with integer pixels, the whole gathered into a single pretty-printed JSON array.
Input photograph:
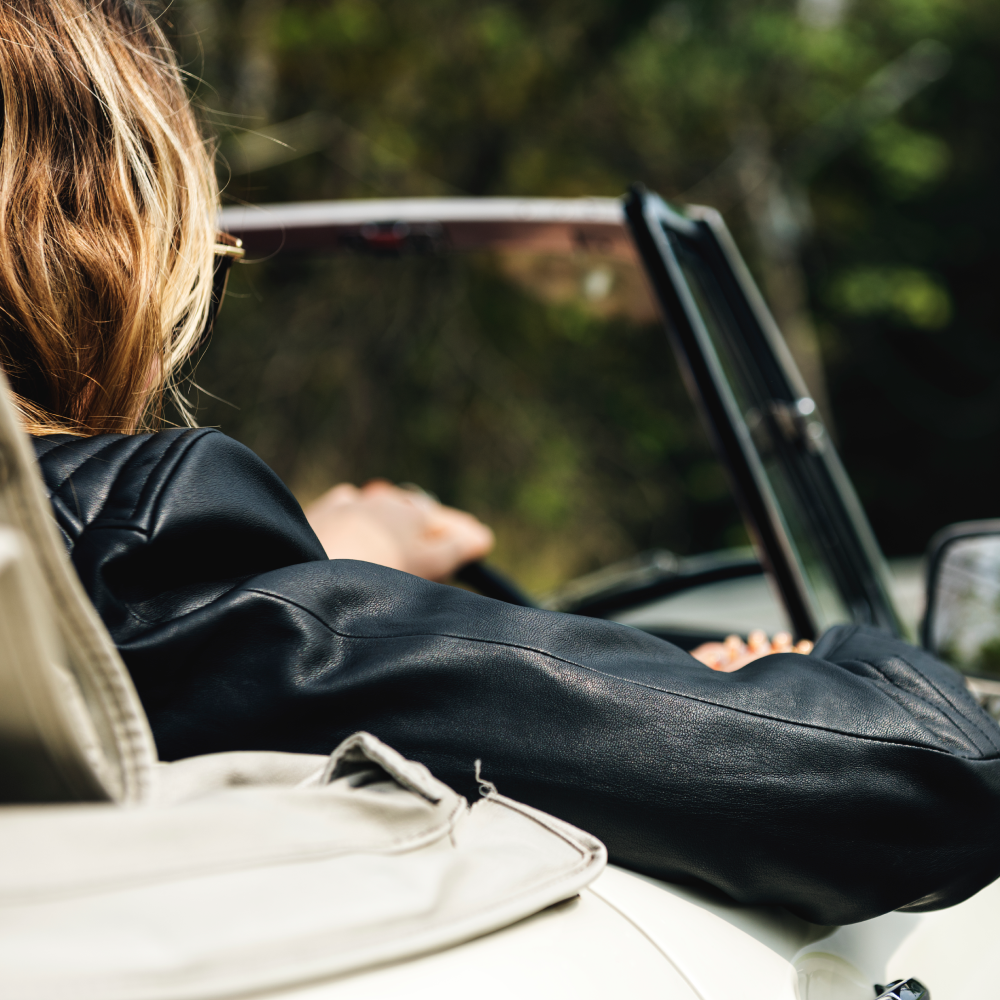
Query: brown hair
[{"x": 108, "y": 202}]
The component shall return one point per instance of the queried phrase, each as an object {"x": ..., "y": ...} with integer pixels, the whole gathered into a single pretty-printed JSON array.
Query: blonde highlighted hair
[{"x": 108, "y": 202}]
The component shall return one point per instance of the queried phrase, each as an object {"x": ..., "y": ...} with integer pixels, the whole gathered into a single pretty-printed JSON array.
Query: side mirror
[{"x": 962, "y": 623}]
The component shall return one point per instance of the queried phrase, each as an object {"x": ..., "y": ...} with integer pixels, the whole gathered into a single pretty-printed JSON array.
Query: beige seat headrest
[{"x": 71, "y": 724}]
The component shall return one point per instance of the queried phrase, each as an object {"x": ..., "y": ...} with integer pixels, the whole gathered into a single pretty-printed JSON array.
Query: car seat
[{"x": 124, "y": 878}]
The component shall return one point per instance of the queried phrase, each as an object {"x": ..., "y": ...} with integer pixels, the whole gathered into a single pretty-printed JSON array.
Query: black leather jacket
[{"x": 841, "y": 785}]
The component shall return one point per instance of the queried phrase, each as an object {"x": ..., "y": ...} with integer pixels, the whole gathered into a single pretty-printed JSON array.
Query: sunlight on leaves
[
  {"x": 908, "y": 161},
  {"x": 906, "y": 295}
]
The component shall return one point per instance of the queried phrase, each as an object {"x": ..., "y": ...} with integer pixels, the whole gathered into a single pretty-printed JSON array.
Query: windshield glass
[{"x": 536, "y": 390}]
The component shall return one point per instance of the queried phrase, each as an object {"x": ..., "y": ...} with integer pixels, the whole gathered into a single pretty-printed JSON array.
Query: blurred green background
[{"x": 852, "y": 147}]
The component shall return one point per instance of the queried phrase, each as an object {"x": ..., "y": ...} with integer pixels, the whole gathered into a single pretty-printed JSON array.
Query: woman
[{"x": 856, "y": 780}]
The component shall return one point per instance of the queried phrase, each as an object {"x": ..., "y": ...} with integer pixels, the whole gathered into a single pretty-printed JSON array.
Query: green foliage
[
  {"x": 907, "y": 295},
  {"x": 506, "y": 97},
  {"x": 909, "y": 161}
]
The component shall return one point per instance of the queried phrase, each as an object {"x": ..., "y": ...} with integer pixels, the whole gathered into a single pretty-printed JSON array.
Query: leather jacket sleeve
[{"x": 861, "y": 779}]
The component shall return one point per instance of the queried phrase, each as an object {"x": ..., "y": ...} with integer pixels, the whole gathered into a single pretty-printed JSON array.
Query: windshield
[{"x": 535, "y": 389}]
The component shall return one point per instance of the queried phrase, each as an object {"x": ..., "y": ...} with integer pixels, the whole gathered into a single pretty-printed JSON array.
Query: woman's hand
[
  {"x": 735, "y": 653},
  {"x": 404, "y": 529}
]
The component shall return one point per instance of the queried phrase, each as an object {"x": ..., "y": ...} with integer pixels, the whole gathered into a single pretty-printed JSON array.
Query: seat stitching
[
  {"x": 920, "y": 698},
  {"x": 183, "y": 442},
  {"x": 946, "y": 697},
  {"x": 849, "y": 633},
  {"x": 136, "y": 529},
  {"x": 107, "y": 524},
  {"x": 169, "y": 453},
  {"x": 72, "y": 472},
  {"x": 153, "y": 623}
]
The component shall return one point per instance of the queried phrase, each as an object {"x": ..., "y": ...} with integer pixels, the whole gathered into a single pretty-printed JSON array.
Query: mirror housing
[{"x": 962, "y": 622}]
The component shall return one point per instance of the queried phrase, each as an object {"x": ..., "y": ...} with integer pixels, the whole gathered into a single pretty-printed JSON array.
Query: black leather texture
[{"x": 842, "y": 785}]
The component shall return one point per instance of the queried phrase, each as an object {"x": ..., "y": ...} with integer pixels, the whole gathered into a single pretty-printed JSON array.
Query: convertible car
[
  {"x": 814, "y": 561},
  {"x": 181, "y": 915}
]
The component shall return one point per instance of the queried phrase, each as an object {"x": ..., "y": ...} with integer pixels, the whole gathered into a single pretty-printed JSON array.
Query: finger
[
  {"x": 335, "y": 496},
  {"x": 710, "y": 653},
  {"x": 739, "y": 662},
  {"x": 478, "y": 536},
  {"x": 375, "y": 487},
  {"x": 781, "y": 643},
  {"x": 446, "y": 539},
  {"x": 420, "y": 491},
  {"x": 480, "y": 543},
  {"x": 734, "y": 644},
  {"x": 443, "y": 556},
  {"x": 804, "y": 646},
  {"x": 342, "y": 493},
  {"x": 757, "y": 640},
  {"x": 456, "y": 548},
  {"x": 460, "y": 529}
]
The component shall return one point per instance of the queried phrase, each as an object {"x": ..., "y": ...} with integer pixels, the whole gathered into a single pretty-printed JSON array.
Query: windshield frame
[{"x": 782, "y": 421}]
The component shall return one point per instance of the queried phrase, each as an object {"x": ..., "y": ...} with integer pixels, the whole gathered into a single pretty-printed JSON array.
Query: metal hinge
[{"x": 903, "y": 989}]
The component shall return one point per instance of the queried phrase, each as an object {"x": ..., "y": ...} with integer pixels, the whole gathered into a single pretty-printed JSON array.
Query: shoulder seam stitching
[
  {"x": 69, "y": 475},
  {"x": 174, "y": 453}
]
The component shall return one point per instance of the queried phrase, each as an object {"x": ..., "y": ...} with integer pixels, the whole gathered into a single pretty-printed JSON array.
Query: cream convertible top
[{"x": 222, "y": 875}]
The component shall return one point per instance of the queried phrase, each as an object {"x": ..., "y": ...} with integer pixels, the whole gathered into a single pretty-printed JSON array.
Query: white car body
[{"x": 631, "y": 936}]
